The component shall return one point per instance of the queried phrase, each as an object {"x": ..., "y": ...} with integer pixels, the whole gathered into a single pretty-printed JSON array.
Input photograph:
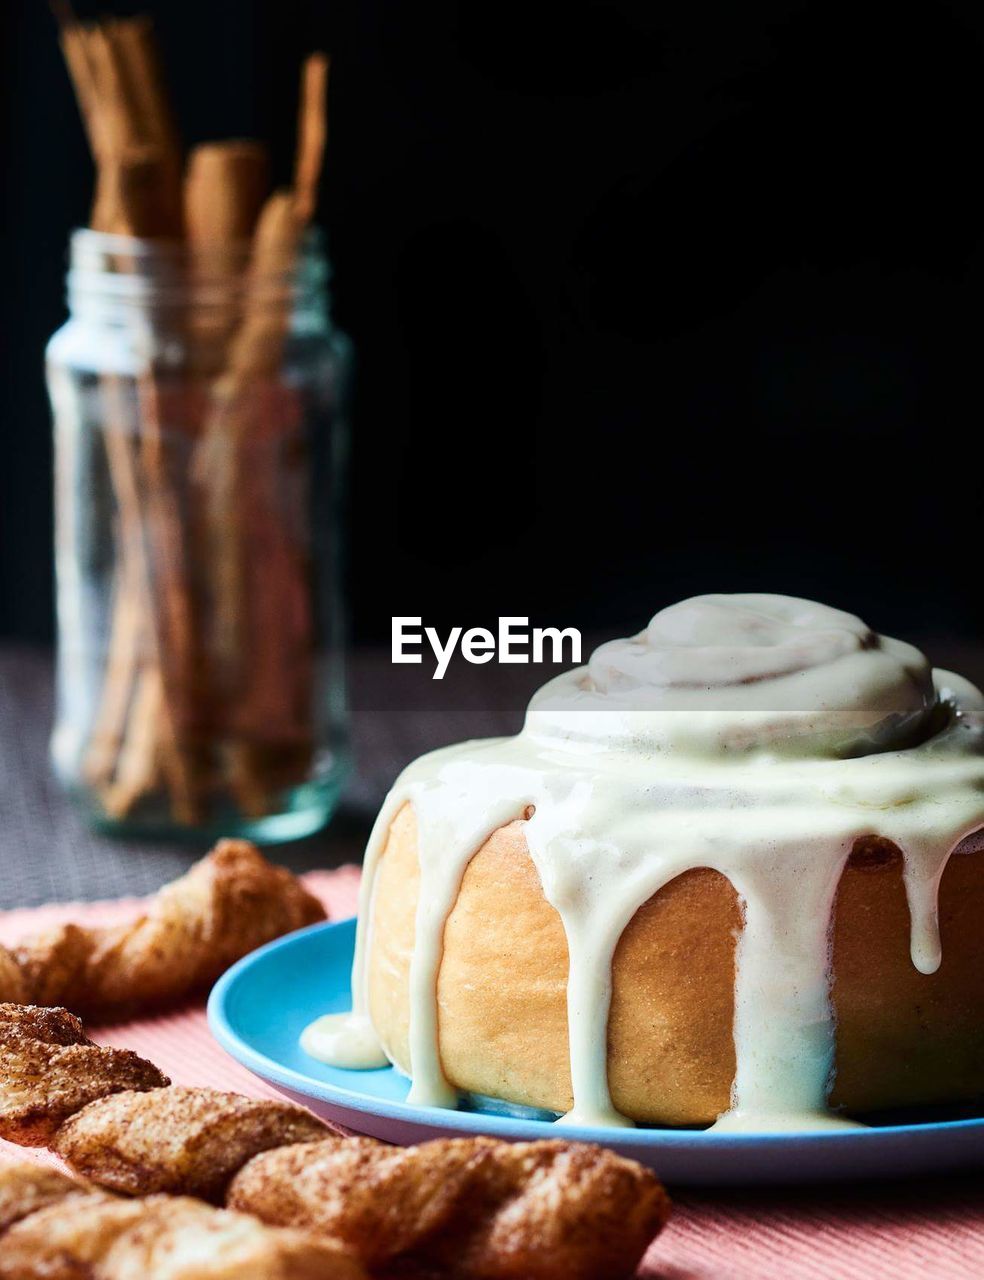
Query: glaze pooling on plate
[{"x": 759, "y": 736}]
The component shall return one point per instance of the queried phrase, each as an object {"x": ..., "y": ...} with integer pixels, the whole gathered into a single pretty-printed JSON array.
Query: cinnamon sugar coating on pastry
[
  {"x": 383, "y": 1201},
  {"x": 556, "y": 1211},
  {"x": 190, "y": 1141},
  {"x": 163, "y": 1238},
  {"x": 474, "y": 1207},
  {"x": 26, "y": 1188},
  {"x": 49, "y": 1069},
  {"x": 229, "y": 903}
]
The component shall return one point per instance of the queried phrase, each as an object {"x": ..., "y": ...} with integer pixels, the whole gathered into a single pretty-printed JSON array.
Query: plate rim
[{"x": 278, "y": 1074}]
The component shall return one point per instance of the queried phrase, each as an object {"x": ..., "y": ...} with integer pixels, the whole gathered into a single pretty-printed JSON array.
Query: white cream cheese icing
[
  {"x": 344, "y": 1041},
  {"x": 756, "y": 735}
]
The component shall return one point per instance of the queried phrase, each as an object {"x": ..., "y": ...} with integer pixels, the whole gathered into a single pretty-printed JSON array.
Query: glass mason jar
[{"x": 200, "y": 434}]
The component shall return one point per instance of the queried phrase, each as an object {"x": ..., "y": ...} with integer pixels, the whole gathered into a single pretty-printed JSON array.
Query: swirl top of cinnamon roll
[{"x": 723, "y": 673}]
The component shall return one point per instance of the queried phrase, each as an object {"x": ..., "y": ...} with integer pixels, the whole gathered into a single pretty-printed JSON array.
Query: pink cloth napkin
[{"x": 904, "y": 1231}]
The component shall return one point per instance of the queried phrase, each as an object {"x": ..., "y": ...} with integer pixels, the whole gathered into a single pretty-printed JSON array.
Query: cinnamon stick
[
  {"x": 133, "y": 117},
  {"x": 73, "y": 39},
  {"x": 122, "y": 102},
  {"x": 224, "y": 190},
  {"x": 136, "y": 765},
  {"x": 131, "y": 182},
  {"x": 118, "y": 183},
  {"x": 257, "y": 348},
  {"x": 152, "y": 716},
  {"x": 139, "y": 65},
  {"x": 312, "y": 134},
  {"x": 108, "y": 732},
  {"x": 263, "y": 598},
  {"x": 224, "y": 472},
  {"x": 225, "y": 187}
]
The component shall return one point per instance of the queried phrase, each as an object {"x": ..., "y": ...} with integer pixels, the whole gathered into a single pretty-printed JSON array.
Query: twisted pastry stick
[
  {"x": 464, "y": 1207},
  {"x": 26, "y": 1188},
  {"x": 50, "y": 1069},
  {"x": 230, "y": 902},
  {"x": 474, "y": 1208},
  {"x": 184, "y": 1141},
  {"x": 55, "y": 1228}
]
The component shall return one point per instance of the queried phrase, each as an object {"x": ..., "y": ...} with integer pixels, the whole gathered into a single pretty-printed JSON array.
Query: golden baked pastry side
[{"x": 903, "y": 1038}]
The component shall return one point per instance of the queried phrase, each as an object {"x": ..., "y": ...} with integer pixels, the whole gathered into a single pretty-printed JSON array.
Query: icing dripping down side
[{"x": 807, "y": 733}]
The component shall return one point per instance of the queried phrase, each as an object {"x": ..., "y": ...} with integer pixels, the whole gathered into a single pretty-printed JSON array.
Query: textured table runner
[{"x": 902, "y": 1231}]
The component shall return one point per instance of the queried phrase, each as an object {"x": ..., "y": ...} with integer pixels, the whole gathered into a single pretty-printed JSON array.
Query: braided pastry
[
  {"x": 468, "y": 1207},
  {"x": 474, "y": 1208},
  {"x": 55, "y": 1228},
  {"x": 50, "y": 1069},
  {"x": 26, "y": 1188},
  {"x": 229, "y": 903},
  {"x": 187, "y": 1141}
]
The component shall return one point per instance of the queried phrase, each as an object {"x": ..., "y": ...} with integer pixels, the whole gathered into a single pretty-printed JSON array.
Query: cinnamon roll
[{"x": 729, "y": 872}]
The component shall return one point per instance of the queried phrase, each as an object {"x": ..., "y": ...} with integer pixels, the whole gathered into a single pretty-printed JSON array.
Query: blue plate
[{"x": 259, "y": 1008}]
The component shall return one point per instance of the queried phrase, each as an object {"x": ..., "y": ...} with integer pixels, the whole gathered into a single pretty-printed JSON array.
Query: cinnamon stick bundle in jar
[{"x": 206, "y": 710}]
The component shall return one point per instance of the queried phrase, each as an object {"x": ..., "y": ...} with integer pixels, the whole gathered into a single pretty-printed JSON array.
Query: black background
[{"x": 648, "y": 298}]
